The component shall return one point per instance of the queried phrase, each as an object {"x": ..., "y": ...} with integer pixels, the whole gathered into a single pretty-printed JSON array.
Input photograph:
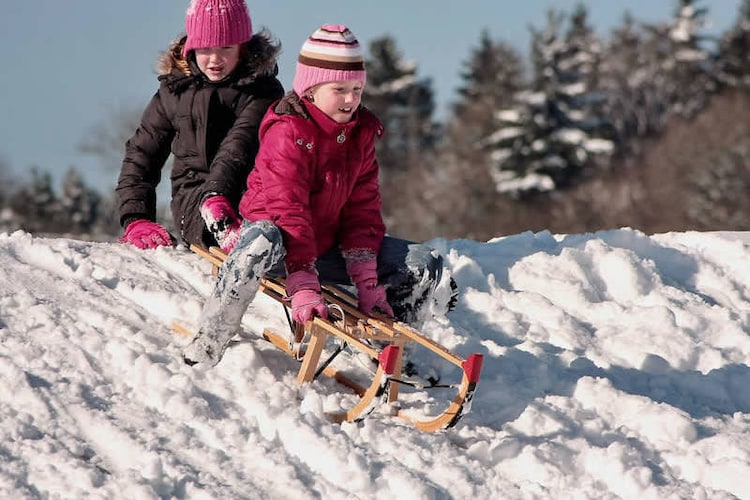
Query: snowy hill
[{"x": 616, "y": 366}]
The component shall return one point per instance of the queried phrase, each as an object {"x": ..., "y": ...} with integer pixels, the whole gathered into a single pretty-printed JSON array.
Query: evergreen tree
[
  {"x": 634, "y": 104},
  {"x": 556, "y": 129},
  {"x": 403, "y": 102},
  {"x": 6, "y": 182},
  {"x": 685, "y": 71},
  {"x": 718, "y": 192},
  {"x": 490, "y": 78},
  {"x": 733, "y": 61},
  {"x": 6, "y": 188},
  {"x": 586, "y": 103},
  {"x": 35, "y": 206},
  {"x": 463, "y": 200},
  {"x": 585, "y": 47},
  {"x": 80, "y": 204}
]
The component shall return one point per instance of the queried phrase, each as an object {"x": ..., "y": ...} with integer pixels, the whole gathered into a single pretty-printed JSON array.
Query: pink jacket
[{"x": 317, "y": 180}]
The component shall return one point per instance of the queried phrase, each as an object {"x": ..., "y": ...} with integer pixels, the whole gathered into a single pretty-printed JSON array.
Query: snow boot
[
  {"x": 258, "y": 250},
  {"x": 207, "y": 348}
]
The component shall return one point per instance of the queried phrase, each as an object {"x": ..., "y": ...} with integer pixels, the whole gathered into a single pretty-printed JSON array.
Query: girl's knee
[
  {"x": 252, "y": 230},
  {"x": 260, "y": 243},
  {"x": 424, "y": 263},
  {"x": 416, "y": 283}
]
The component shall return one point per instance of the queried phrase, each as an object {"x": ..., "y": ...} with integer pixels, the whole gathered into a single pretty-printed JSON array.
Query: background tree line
[{"x": 645, "y": 128}]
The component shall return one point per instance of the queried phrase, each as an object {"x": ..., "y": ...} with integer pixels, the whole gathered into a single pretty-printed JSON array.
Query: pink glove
[
  {"x": 222, "y": 220},
  {"x": 304, "y": 288},
  {"x": 146, "y": 234},
  {"x": 371, "y": 295}
]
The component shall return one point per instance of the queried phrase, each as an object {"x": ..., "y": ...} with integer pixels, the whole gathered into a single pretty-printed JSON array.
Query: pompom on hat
[
  {"x": 331, "y": 53},
  {"x": 216, "y": 23}
]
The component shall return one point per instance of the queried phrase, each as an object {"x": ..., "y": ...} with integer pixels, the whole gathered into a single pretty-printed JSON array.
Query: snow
[{"x": 615, "y": 366}]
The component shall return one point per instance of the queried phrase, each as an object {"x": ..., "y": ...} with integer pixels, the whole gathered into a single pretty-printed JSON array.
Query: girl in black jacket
[{"x": 216, "y": 83}]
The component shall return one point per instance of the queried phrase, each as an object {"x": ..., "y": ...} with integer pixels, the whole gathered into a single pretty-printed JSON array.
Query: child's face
[
  {"x": 339, "y": 100},
  {"x": 217, "y": 62}
]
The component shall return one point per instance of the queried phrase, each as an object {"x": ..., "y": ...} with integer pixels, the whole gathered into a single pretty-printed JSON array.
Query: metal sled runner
[{"x": 347, "y": 326}]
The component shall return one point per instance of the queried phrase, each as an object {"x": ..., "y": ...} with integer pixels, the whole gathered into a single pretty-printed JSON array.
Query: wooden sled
[{"x": 348, "y": 326}]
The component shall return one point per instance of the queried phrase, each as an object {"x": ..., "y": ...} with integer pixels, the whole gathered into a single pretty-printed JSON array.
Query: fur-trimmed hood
[{"x": 262, "y": 59}]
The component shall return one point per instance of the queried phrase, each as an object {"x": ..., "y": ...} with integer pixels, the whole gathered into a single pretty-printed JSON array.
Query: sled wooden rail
[{"x": 356, "y": 329}]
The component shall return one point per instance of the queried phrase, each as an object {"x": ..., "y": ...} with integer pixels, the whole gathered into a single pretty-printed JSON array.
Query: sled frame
[{"x": 306, "y": 343}]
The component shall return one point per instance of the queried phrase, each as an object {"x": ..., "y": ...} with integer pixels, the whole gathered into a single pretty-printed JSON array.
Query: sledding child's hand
[
  {"x": 222, "y": 220},
  {"x": 307, "y": 302},
  {"x": 372, "y": 297},
  {"x": 146, "y": 234},
  {"x": 371, "y": 294}
]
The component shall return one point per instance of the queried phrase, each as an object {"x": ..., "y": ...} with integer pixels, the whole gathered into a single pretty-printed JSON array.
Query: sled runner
[{"x": 347, "y": 326}]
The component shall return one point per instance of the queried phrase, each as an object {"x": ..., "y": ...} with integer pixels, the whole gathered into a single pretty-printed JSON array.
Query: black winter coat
[{"x": 211, "y": 128}]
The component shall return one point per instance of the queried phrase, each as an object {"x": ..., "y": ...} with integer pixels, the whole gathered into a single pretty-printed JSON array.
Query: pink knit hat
[
  {"x": 332, "y": 53},
  {"x": 216, "y": 23}
]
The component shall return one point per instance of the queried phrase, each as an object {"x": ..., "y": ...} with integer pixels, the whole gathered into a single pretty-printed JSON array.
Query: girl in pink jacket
[{"x": 312, "y": 209}]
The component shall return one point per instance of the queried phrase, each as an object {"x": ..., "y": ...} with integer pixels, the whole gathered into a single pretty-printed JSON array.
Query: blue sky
[{"x": 69, "y": 65}]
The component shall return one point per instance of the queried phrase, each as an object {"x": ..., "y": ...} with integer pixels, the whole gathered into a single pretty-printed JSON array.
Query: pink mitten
[
  {"x": 146, "y": 234},
  {"x": 371, "y": 295},
  {"x": 222, "y": 220},
  {"x": 304, "y": 288}
]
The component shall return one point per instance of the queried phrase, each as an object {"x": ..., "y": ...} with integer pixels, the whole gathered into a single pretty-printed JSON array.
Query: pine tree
[
  {"x": 733, "y": 61},
  {"x": 556, "y": 129},
  {"x": 79, "y": 203},
  {"x": 406, "y": 152},
  {"x": 718, "y": 192},
  {"x": 686, "y": 74},
  {"x": 492, "y": 75},
  {"x": 6, "y": 188},
  {"x": 587, "y": 100},
  {"x": 35, "y": 206},
  {"x": 463, "y": 200},
  {"x": 635, "y": 107},
  {"x": 403, "y": 102}
]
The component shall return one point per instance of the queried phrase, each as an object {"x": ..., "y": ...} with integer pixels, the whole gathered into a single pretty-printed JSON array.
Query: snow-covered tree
[
  {"x": 556, "y": 129},
  {"x": 733, "y": 61},
  {"x": 490, "y": 78},
  {"x": 718, "y": 192},
  {"x": 6, "y": 188},
  {"x": 79, "y": 203},
  {"x": 685, "y": 71},
  {"x": 35, "y": 206},
  {"x": 5, "y": 180},
  {"x": 462, "y": 197},
  {"x": 403, "y": 102},
  {"x": 628, "y": 74},
  {"x": 586, "y": 101}
]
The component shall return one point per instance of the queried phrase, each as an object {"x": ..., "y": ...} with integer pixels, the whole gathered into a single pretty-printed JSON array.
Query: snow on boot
[
  {"x": 422, "y": 290},
  {"x": 258, "y": 250},
  {"x": 453, "y": 301},
  {"x": 445, "y": 295},
  {"x": 207, "y": 348}
]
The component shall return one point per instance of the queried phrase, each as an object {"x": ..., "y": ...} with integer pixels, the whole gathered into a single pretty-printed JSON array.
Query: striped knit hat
[
  {"x": 331, "y": 54},
  {"x": 216, "y": 23}
]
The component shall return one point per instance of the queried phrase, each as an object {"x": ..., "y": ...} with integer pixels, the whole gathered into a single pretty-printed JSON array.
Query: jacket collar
[{"x": 327, "y": 124}]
